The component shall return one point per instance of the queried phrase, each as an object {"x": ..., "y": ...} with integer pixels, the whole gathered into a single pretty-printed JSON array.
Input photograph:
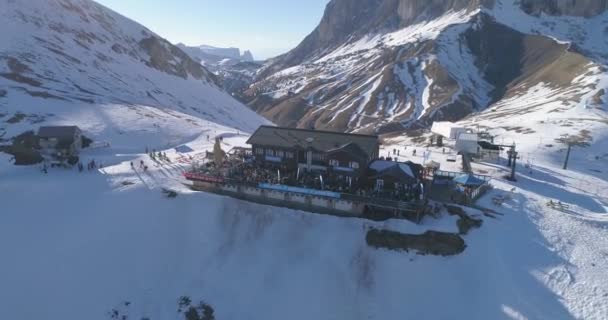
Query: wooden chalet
[{"x": 342, "y": 155}]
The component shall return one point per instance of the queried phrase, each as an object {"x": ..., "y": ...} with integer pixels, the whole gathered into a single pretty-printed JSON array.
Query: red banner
[{"x": 203, "y": 177}]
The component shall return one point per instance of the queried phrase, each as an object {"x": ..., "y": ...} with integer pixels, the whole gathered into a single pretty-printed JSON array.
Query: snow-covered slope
[
  {"x": 431, "y": 61},
  {"x": 108, "y": 240},
  {"x": 77, "y": 62}
]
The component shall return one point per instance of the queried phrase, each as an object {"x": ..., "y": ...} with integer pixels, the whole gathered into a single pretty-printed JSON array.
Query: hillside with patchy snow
[
  {"x": 413, "y": 64},
  {"x": 77, "y": 62}
]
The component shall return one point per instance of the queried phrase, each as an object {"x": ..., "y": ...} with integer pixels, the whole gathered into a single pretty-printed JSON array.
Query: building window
[
  {"x": 270, "y": 152},
  {"x": 280, "y": 154},
  {"x": 334, "y": 163},
  {"x": 318, "y": 156},
  {"x": 259, "y": 151},
  {"x": 354, "y": 165},
  {"x": 379, "y": 184},
  {"x": 289, "y": 155}
]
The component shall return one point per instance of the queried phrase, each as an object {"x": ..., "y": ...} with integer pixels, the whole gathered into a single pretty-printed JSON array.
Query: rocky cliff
[{"x": 385, "y": 65}]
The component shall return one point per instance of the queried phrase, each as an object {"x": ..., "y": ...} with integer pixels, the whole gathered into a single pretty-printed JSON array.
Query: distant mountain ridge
[{"x": 213, "y": 55}]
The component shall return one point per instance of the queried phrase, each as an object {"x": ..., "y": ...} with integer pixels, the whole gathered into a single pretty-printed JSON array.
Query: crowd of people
[{"x": 91, "y": 166}]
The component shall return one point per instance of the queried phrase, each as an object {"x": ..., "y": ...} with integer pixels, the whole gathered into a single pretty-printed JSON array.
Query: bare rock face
[
  {"x": 344, "y": 19},
  {"x": 384, "y": 65},
  {"x": 411, "y": 10},
  {"x": 583, "y": 8},
  {"x": 163, "y": 57}
]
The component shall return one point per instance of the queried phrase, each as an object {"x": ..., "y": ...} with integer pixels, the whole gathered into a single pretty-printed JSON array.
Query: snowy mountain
[
  {"x": 212, "y": 56},
  {"x": 77, "y": 62},
  {"x": 389, "y": 65},
  {"x": 235, "y": 71},
  {"x": 107, "y": 244}
]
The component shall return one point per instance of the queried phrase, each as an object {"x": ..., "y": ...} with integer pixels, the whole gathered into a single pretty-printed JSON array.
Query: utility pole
[
  {"x": 567, "y": 157},
  {"x": 515, "y": 153}
]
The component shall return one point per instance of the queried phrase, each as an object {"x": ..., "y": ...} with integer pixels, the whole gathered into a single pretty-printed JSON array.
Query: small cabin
[
  {"x": 60, "y": 142},
  {"x": 402, "y": 179}
]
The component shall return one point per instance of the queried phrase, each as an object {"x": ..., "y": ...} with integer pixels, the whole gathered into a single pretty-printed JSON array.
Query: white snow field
[{"x": 78, "y": 245}]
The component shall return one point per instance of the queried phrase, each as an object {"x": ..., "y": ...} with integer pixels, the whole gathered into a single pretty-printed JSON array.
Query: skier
[{"x": 132, "y": 165}]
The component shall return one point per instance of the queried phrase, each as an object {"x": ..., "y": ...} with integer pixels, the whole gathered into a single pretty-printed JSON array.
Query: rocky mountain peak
[
  {"x": 385, "y": 65},
  {"x": 247, "y": 56}
]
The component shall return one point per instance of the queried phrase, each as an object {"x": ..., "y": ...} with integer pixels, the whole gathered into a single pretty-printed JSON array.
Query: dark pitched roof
[
  {"x": 469, "y": 180},
  {"x": 61, "y": 132},
  {"x": 396, "y": 169},
  {"x": 351, "y": 148},
  {"x": 324, "y": 141},
  {"x": 400, "y": 171}
]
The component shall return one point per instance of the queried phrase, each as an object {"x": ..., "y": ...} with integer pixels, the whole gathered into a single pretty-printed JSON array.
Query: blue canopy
[{"x": 469, "y": 180}]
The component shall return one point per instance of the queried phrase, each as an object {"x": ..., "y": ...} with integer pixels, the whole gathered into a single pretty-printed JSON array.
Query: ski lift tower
[{"x": 513, "y": 156}]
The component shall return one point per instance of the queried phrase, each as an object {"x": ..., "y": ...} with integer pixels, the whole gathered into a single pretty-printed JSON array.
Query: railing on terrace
[
  {"x": 382, "y": 202},
  {"x": 451, "y": 174}
]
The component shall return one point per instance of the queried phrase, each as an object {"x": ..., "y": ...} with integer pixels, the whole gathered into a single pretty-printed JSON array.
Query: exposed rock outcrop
[
  {"x": 431, "y": 242},
  {"x": 168, "y": 58},
  {"x": 392, "y": 65}
]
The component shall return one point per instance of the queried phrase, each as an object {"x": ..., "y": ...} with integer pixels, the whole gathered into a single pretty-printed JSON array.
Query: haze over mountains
[
  {"x": 389, "y": 65},
  {"x": 209, "y": 55}
]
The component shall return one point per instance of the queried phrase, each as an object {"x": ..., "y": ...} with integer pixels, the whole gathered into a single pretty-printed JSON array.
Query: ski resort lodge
[
  {"x": 345, "y": 155},
  {"x": 329, "y": 172}
]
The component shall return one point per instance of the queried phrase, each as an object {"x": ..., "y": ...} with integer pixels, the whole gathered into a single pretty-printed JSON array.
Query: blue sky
[{"x": 267, "y": 27}]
